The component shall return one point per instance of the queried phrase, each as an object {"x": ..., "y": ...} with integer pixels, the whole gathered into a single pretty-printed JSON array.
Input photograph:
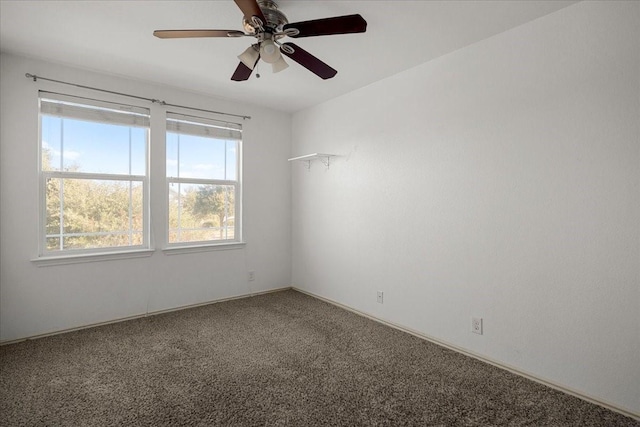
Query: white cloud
[{"x": 71, "y": 155}]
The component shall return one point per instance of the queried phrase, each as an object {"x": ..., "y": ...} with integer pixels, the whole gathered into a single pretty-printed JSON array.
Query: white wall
[
  {"x": 36, "y": 300},
  {"x": 500, "y": 181}
]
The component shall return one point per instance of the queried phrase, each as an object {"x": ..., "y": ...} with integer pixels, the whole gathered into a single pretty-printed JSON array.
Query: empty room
[{"x": 309, "y": 213}]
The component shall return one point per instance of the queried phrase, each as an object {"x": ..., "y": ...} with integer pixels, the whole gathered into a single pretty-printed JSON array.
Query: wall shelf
[{"x": 308, "y": 158}]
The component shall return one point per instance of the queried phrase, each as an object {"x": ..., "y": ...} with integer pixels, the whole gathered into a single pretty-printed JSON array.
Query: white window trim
[
  {"x": 73, "y": 256},
  {"x": 47, "y": 261},
  {"x": 222, "y": 129},
  {"x": 179, "y": 250},
  {"x": 234, "y": 132}
]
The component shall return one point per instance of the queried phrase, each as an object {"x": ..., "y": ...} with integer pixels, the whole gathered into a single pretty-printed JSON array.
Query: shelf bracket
[{"x": 325, "y": 159}]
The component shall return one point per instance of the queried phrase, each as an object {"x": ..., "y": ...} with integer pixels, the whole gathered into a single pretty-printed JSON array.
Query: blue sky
[
  {"x": 104, "y": 148},
  {"x": 200, "y": 157}
]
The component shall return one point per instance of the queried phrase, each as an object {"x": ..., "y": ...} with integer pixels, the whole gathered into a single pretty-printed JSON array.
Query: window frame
[
  {"x": 200, "y": 245},
  {"x": 88, "y": 254}
]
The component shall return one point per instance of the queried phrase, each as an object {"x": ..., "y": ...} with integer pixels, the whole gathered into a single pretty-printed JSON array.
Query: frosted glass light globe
[{"x": 269, "y": 52}]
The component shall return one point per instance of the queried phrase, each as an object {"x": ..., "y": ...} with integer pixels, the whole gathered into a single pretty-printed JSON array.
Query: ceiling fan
[{"x": 268, "y": 25}]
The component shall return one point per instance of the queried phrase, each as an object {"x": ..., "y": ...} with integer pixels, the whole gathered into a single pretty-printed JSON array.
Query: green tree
[
  {"x": 92, "y": 206},
  {"x": 214, "y": 201}
]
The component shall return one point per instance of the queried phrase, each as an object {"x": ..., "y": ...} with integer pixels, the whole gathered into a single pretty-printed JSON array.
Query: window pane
[
  {"x": 201, "y": 212},
  {"x": 172, "y": 154},
  {"x": 106, "y": 240},
  {"x": 53, "y": 243},
  {"x": 53, "y": 214},
  {"x": 51, "y": 137},
  {"x": 138, "y": 151},
  {"x": 232, "y": 160},
  {"x": 97, "y": 147},
  {"x": 199, "y": 157},
  {"x": 92, "y": 213}
]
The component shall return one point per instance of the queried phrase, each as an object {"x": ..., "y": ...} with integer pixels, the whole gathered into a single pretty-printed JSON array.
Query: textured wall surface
[
  {"x": 36, "y": 300},
  {"x": 500, "y": 181}
]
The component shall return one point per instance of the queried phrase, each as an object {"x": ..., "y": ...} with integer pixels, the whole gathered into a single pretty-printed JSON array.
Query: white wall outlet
[
  {"x": 380, "y": 297},
  {"x": 252, "y": 276},
  {"x": 476, "y": 325}
]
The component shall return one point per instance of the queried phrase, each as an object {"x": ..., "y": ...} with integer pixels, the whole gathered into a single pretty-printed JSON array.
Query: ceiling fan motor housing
[{"x": 275, "y": 19}]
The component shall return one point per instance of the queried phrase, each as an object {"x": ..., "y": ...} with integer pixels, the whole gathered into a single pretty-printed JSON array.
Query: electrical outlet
[
  {"x": 380, "y": 297},
  {"x": 252, "y": 276},
  {"x": 476, "y": 325}
]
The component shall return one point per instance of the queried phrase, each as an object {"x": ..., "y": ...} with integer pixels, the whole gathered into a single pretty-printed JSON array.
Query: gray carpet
[{"x": 282, "y": 359}]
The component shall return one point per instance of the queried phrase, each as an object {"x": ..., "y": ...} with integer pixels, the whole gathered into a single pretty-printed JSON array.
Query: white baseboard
[
  {"x": 139, "y": 316},
  {"x": 512, "y": 369}
]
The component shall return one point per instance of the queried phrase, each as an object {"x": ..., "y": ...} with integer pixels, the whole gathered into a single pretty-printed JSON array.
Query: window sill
[
  {"x": 179, "y": 250},
  {"x": 46, "y": 261}
]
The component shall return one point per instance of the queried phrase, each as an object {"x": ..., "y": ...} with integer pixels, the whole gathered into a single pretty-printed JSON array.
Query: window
[
  {"x": 95, "y": 185},
  {"x": 93, "y": 175},
  {"x": 203, "y": 180}
]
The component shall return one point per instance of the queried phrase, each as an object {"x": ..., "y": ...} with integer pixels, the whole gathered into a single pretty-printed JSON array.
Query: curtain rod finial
[{"x": 31, "y": 76}]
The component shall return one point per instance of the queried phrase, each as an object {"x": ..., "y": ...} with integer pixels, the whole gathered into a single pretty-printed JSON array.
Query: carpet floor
[{"x": 280, "y": 359}]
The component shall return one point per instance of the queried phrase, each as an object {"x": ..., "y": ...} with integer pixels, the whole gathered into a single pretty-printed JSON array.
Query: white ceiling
[{"x": 116, "y": 37}]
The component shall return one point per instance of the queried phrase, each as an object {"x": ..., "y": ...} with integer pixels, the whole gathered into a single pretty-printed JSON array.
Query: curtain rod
[{"x": 155, "y": 101}]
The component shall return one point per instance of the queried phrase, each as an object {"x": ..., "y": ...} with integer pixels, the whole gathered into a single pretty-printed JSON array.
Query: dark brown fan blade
[
  {"x": 250, "y": 8},
  {"x": 243, "y": 72},
  {"x": 309, "y": 61},
  {"x": 181, "y": 34},
  {"x": 328, "y": 26}
]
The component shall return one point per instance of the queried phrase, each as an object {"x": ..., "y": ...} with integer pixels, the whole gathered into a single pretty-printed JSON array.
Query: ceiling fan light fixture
[
  {"x": 279, "y": 65},
  {"x": 249, "y": 57},
  {"x": 269, "y": 52},
  {"x": 263, "y": 20}
]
